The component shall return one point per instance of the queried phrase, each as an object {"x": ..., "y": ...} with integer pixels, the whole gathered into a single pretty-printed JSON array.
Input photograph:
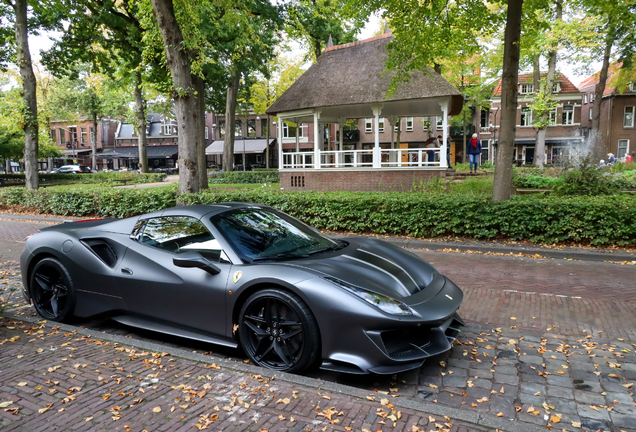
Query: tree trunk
[
  {"x": 602, "y": 79},
  {"x": 230, "y": 116},
  {"x": 267, "y": 143},
  {"x": 200, "y": 128},
  {"x": 437, "y": 68},
  {"x": 29, "y": 94},
  {"x": 140, "y": 111},
  {"x": 178, "y": 62},
  {"x": 510, "y": 75},
  {"x": 94, "y": 144},
  {"x": 317, "y": 48}
]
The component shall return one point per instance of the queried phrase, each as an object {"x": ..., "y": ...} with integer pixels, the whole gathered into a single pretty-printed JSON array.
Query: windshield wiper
[
  {"x": 327, "y": 249},
  {"x": 280, "y": 255}
]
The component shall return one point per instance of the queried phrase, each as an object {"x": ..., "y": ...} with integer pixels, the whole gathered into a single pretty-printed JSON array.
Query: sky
[{"x": 44, "y": 42}]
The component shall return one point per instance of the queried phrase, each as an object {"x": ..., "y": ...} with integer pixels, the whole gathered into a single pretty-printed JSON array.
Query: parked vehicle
[
  {"x": 72, "y": 169},
  {"x": 250, "y": 276}
]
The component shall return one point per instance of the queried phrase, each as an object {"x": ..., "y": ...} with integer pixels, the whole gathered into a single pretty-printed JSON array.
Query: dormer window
[
  {"x": 556, "y": 87},
  {"x": 167, "y": 127},
  {"x": 526, "y": 88},
  {"x": 632, "y": 86}
]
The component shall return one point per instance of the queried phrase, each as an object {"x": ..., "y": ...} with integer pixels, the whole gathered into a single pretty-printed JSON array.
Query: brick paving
[{"x": 62, "y": 381}]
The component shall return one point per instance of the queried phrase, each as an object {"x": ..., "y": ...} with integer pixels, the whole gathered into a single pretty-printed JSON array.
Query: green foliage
[
  {"x": 112, "y": 178},
  {"x": 585, "y": 180},
  {"x": 597, "y": 220},
  {"x": 240, "y": 177},
  {"x": 534, "y": 181}
]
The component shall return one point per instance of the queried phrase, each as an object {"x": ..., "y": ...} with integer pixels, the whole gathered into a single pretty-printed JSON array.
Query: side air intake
[{"x": 102, "y": 250}]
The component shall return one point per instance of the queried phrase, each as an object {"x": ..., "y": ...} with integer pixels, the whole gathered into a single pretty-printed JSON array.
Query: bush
[
  {"x": 99, "y": 177},
  {"x": 598, "y": 220},
  {"x": 235, "y": 177},
  {"x": 585, "y": 180},
  {"x": 534, "y": 181}
]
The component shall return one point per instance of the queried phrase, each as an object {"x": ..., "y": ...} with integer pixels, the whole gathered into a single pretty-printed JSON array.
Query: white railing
[{"x": 390, "y": 158}]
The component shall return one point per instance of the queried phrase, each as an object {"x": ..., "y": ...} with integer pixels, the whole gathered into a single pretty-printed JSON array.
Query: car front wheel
[{"x": 278, "y": 331}]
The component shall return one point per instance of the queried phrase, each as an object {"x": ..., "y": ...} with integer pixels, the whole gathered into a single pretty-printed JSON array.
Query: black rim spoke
[
  {"x": 281, "y": 354},
  {"x": 54, "y": 305},
  {"x": 260, "y": 333},
  {"x": 291, "y": 334},
  {"x": 258, "y": 319},
  {"x": 266, "y": 351},
  {"x": 44, "y": 282},
  {"x": 289, "y": 323}
]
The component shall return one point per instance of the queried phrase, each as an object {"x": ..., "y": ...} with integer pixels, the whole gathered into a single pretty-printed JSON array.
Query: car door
[{"x": 152, "y": 286}]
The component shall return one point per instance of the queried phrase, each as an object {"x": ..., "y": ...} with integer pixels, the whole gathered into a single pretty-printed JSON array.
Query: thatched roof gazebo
[{"x": 350, "y": 82}]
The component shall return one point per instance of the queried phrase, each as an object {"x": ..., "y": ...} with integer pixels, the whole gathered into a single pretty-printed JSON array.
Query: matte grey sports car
[{"x": 247, "y": 275}]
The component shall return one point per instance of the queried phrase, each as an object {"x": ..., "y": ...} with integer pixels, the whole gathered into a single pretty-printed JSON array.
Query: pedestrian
[
  {"x": 628, "y": 158},
  {"x": 611, "y": 159},
  {"x": 474, "y": 152},
  {"x": 431, "y": 143}
]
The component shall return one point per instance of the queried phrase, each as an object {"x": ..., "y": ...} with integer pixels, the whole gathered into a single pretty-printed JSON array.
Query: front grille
[{"x": 406, "y": 342}]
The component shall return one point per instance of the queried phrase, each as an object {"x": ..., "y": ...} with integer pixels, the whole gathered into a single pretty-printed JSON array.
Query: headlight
[{"x": 384, "y": 303}]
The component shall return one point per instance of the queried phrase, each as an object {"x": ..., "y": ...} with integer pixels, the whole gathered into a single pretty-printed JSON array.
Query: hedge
[
  {"x": 597, "y": 220},
  {"x": 99, "y": 177},
  {"x": 234, "y": 177}
]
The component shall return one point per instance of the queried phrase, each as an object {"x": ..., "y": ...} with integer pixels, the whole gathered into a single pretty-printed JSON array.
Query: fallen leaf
[
  {"x": 22, "y": 384},
  {"x": 500, "y": 414},
  {"x": 87, "y": 419},
  {"x": 555, "y": 418},
  {"x": 576, "y": 424},
  {"x": 5, "y": 404},
  {"x": 432, "y": 386},
  {"x": 156, "y": 409}
]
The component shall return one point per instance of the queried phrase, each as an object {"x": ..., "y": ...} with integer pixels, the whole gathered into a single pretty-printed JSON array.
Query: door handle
[{"x": 126, "y": 270}]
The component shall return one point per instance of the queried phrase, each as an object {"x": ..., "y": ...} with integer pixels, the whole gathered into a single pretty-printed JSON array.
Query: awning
[
  {"x": 251, "y": 146},
  {"x": 77, "y": 151},
  {"x": 132, "y": 152}
]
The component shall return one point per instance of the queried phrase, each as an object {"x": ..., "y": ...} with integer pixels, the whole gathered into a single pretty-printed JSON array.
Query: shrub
[
  {"x": 235, "y": 177},
  {"x": 533, "y": 181},
  {"x": 598, "y": 220},
  {"x": 585, "y": 180},
  {"x": 99, "y": 177}
]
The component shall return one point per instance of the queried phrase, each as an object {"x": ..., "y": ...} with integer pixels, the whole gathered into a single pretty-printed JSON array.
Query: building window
[
  {"x": 84, "y": 135},
  {"x": 592, "y": 97},
  {"x": 526, "y": 116},
  {"x": 381, "y": 124},
  {"x": 553, "y": 117},
  {"x": 623, "y": 148},
  {"x": 485, "y": 150},
  {"x": 251, "y": 128},
  {"x": 556, "y": 87},
  {"x": 590, "y": 113},
  {"x": 167, "y": 127},
  {"x": 62, "y": 136},
  {"x": 632, "y": 86},
  {"x": 568, "y": 114},
  {"x": 263, "y": 127},
  {"x": 238, "y": 128},
  {"x": 440, "y": 123},
  {"x": 526, "y": 88},
  {"x": 585, "y": 98},
  {"x": 409, "y": 124},
  {"x": 222, "y": 129},
  {"x": 398, "y": 123},
  {"x": 368, "y": 125},
  {"x": 628, "y": 117},
  {"x": 289, "y": 130},
  {"x": 426, "y": 123},
  {"x": 206, "y": 132},
  {"x": 485, "y": 117}
]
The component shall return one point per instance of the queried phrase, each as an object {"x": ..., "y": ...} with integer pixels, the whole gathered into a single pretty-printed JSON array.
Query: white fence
[{"x": 389, "y": 158}]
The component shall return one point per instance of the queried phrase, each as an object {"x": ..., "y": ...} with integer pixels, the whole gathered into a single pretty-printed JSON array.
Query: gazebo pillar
[
  {"x": 377, "y": 155},
  {"x": 316, "y": 140},
  {"x": 442, "y": 151},
  {"x": 279, "y": 133},
  {"x": 297, "y": 139},
  {"x": 340, "y": 141},
  {"x": 394, "y": 156}
]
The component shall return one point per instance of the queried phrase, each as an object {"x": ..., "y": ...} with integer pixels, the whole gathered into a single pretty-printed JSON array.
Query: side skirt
[{"x": 146, "y": 324}]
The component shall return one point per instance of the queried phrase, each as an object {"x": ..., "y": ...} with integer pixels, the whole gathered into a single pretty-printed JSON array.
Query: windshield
[{"x": 261, "y": 234}]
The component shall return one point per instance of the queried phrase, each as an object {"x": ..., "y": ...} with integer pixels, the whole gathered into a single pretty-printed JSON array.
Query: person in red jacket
[{"x": 473, "y": 151}]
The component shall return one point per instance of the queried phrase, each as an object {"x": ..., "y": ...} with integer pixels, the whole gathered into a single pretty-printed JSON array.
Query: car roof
[{"x": 200, "y": 210}]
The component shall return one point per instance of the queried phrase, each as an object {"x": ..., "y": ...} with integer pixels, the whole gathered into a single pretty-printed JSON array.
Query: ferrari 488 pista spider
[{"x": 248, "y": 275}]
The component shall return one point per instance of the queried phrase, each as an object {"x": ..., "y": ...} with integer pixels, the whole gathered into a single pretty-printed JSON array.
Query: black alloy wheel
[
  {"x": 278, "y": 331},
  {"x": 52, "y": 290}
]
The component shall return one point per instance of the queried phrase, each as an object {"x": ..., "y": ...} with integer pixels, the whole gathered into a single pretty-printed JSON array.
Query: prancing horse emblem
[{"x": 237, "y": 276}]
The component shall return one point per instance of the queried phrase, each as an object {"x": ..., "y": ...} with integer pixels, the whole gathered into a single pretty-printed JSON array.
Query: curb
[
  {"x": 580, "y": 255},
  {"x": 51, "y": 219},
  {"x": 484, "y": 420}
]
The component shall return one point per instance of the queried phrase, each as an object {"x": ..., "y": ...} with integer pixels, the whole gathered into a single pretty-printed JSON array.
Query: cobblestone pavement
[{"x": 50, "y": 380}]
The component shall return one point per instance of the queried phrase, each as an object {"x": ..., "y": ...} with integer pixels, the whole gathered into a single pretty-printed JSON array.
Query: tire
[
  {"x": 278, "y": 331},
  {"x": 51, "y": 289}
]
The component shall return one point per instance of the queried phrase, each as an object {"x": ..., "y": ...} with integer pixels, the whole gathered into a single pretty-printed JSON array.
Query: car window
[
  {"x": 178, "y": 234},
  {"x": 260, "y": 234}
]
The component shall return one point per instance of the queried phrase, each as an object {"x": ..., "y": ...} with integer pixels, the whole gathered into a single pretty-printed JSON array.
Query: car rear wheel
[
  {"x": 278, "y": 331},
  {"x": 52, "y": 290}
]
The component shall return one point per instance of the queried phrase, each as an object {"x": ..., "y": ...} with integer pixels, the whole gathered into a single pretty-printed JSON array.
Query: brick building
[
  {"x": 564, "y": 131},
  {"x": 618, "y": 109},
  {"x": 74, "y": 140}
]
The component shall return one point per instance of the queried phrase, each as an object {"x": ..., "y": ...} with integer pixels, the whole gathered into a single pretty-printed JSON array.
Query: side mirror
[{"x": 194, "y": 260}]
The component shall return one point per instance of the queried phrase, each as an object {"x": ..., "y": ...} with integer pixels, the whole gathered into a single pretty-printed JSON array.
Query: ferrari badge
[{"x": 237, "y": 276}]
